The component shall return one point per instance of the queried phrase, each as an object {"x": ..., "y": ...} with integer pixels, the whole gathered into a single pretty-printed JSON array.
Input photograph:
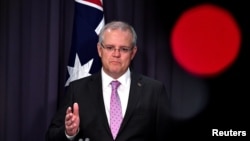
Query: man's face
[{"x": 115, "y": 62}]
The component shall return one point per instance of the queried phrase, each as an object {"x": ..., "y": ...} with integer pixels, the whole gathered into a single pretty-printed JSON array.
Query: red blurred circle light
[{"x": 205, "y": 40}]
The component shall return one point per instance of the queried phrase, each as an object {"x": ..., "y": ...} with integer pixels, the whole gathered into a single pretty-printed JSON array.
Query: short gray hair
[{"x": 118, "y": 25}]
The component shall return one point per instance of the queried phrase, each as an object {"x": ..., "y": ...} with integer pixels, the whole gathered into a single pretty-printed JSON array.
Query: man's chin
[{"x": 116, "y": 73}]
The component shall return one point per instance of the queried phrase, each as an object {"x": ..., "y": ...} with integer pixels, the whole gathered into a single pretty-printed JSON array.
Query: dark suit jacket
[{"x": 144, "y": 120}]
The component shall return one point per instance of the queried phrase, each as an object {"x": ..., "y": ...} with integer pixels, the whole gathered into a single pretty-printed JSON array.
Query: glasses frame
[{"x": 120, "y": 50}]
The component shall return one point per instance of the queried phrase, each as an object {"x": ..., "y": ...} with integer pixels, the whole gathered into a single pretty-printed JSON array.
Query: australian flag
[{"x": 88, "y": 21}]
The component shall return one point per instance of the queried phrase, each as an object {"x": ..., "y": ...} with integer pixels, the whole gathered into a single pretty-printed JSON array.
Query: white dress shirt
[{"x": 123, "y": 91}]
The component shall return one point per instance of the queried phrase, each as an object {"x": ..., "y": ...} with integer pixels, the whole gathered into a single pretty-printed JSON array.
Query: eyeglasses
[{"x": 121, "y": 49}]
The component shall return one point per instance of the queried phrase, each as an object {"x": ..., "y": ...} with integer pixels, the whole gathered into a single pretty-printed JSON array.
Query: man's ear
[
  {"x": 99, "y": 49},
  {"x": 133, "y": 52}
]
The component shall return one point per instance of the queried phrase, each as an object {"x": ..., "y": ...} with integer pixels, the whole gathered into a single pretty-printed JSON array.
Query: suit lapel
[{"x": 134, "y": 94}]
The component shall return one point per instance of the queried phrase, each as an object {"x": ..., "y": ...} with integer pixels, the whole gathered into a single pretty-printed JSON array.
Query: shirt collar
[{"x": 106, "y": 79}]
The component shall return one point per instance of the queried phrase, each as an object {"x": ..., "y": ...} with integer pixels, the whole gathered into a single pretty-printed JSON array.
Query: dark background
[{"x": 35, "y": 39}]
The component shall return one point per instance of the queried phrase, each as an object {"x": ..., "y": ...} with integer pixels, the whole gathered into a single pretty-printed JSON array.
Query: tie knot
[{"x": 115, "y": 84}]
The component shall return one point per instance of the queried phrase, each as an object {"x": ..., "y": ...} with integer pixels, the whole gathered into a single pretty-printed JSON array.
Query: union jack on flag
[{"x": 83, "y": 57}]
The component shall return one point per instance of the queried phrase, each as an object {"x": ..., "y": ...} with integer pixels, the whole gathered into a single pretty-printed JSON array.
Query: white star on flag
[{"x": 78, "y": 71}]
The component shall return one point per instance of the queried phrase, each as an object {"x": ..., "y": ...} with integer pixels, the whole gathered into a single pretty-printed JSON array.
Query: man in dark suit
[{"x": 88, "y": 112}]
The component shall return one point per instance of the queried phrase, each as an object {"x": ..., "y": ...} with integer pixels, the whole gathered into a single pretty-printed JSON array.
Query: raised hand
[{"x": 72, "y": 120}]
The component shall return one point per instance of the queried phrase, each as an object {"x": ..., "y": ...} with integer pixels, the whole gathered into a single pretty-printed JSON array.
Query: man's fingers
[
  {"x": 68, "y": 114},
  {"x": 69, "y": 110},
  {"x": 72, "y": 119}
]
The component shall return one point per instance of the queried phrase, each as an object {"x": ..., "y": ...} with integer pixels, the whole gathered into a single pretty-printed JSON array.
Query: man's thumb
[{"x": 76, "y": 109}]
